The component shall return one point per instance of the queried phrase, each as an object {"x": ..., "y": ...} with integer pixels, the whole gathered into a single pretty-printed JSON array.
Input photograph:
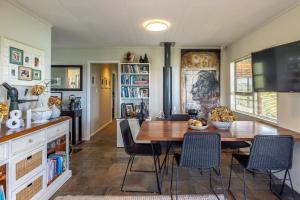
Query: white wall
[
  {"x": 283, "y": 29},
  {"x": 20, "y": 25},
  {"x": 156, "y": 58}
]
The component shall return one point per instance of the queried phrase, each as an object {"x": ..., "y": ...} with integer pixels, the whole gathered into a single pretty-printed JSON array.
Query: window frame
[{"x": 253, "y": 94}]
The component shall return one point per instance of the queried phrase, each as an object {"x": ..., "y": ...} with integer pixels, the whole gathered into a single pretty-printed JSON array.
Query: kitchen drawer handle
[
  {"x": 29, "y": 157},
  {"x": 30, "y": 140},
  {"x": 29, "y": 185}
]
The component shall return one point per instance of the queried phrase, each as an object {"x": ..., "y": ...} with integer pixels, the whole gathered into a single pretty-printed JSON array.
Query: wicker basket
[
  {"x": 28, "y": 164},
  {"x": 31, "y": 190}
]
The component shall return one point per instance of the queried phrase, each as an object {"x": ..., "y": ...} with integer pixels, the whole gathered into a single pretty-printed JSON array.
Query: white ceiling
[{"x": 100, "y": 23}]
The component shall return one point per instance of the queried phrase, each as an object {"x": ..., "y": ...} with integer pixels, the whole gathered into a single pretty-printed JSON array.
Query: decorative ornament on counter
[
  {"x": 53, "y": 102},
  {"x": 15, "y": 121},
  {"x": 129, "y": 57},
  {"x": 42, "y": 113},
  {"x": 3, "y": 111}
]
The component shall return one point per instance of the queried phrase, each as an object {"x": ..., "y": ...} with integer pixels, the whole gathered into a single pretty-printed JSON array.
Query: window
[{"x": 244, "y": 99}]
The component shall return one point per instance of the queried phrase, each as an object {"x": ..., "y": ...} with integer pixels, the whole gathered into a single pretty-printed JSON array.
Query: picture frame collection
[
  {"x": 28, "y": 65},
  {"x": 24, "y": 64},
  {"x": 105, "y": 83}
]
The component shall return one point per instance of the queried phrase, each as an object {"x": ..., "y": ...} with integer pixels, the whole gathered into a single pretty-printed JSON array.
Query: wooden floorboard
[{"x": 99, "y": 167}]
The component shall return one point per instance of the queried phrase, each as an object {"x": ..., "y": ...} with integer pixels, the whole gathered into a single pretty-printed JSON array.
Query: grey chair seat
[
  {"x": 144, "y": 150},
  {"x": 234, "y": 145}
]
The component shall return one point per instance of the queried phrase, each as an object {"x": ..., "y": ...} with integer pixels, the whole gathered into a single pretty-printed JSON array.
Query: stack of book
[
  {"x": 134, "y": 68},
  {"x": 56, "y": 164},
  {"x": 134, "y": 80},
  {"x": 134, "y": 92}
]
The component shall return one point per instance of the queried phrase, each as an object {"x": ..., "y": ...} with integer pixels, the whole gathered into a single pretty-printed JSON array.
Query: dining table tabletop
[{"x": 159, "y": 131}]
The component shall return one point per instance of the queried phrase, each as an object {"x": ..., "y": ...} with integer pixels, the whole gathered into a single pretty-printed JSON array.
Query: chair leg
[
  {"x": 171, "y": 184},
  {"x": 291, "y": 183},
  {"x": 270, "y": 180},
  {"x": 177, "y": 177},
  {"x": 132, "y": 160},
  {"x": 244, "y": 179},
  {"x": 156, "y": 170},
  {"x": 211, "y": 186},
  {"x": 223, "y": 188},
  {"x": 229, "y": 183},
  {"x": 124, "y": 177},
  {"x": 283, "y": 183}
]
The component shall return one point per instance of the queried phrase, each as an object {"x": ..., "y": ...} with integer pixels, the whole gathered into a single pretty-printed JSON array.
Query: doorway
[{"x": 102, "y": 95}]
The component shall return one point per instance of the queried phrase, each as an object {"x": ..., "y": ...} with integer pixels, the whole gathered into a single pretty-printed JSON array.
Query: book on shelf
[
  {"x": 135, "y": 68},
  {"x": 56, "y": 164},
  {"x": 134, "y": 92},
  {"x": 134, "y": 80},
  {"x": 2, "y": 193}
]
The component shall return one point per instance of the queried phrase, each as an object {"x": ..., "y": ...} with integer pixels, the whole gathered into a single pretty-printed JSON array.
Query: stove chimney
[{"x": 167, "y": 80}]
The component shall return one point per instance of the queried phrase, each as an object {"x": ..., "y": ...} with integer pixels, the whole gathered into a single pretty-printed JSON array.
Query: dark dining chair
[
  {"x": 180, "y": 117},
  {"x": 269, "y": 154},
  {"x": 172, "y": 145},
  {"x": 201, "y": 151},
  {"x": 138, "y": 149}
]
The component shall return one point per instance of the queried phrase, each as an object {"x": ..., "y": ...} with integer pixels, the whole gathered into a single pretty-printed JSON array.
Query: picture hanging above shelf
[{"x": 21, "y": 64}]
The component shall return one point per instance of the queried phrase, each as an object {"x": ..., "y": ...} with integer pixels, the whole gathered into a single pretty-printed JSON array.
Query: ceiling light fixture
[{"x": 156, "y": 25}]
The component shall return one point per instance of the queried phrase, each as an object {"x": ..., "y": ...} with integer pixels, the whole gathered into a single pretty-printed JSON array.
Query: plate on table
[{"x": 199, "y": 128}]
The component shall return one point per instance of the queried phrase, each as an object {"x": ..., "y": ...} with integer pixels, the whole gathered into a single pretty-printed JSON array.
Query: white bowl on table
[
  {"x": 40, "y": 115},
  {"x": 199, "y": 128},
  {"x": 221, "y": 125}
]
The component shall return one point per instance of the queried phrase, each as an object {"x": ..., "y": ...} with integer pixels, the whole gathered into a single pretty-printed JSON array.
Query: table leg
[
  {"x": 156, "y": 171},
  {"x": 80, "y": 128},
  {"x": 74, "y": 130}
]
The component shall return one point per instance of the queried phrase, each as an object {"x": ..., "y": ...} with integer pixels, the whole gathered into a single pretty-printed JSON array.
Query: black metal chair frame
[
  {"x": 210, "y": 170},
  {"x": 130, "y": 163},
  {"x": 265, "y": 172},
  {"x": 128, "y": 143}
]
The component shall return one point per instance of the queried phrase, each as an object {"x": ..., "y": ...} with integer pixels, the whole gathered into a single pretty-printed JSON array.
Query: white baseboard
[{"x": 102, "y": 127}]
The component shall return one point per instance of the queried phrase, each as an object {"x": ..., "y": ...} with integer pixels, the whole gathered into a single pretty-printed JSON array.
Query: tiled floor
[{"x": 98, "y": 170}]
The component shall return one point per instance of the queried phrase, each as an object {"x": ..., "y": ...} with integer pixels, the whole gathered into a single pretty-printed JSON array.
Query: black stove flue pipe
[{"x": 167, "y": 80}]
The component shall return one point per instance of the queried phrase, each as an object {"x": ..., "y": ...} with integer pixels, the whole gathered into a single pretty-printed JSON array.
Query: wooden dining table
[
  {"x": 172, "y": 131},
  {"x": 159, "y": 131}
]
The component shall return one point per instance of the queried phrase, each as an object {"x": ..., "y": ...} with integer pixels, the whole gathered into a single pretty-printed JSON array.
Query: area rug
[{"x": 152, "y": 197}]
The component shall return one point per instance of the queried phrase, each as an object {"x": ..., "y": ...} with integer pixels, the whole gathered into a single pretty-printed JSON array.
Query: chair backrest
[
  {"x": 126, "y": 135},
  {"x": 271, "y": 152},
  {"x": 180, "y": 117},
  {"x": 201, "y": 150}
]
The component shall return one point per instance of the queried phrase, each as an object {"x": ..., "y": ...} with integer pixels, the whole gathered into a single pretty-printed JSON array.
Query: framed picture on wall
[
  {"x": 27, "y": 60},
  {"x": 13, "y": 72},
  {"x": 36, "y": 74},
  {"x": 16, "y": 56},
  {"x": 25, "y": 73}
]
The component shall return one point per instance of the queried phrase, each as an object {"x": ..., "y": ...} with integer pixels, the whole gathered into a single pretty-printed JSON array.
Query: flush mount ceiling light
[{"x": 156, "y": 25}]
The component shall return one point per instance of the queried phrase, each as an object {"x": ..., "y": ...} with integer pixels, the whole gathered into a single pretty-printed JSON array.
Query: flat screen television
[{"x": 277, "y": 69}]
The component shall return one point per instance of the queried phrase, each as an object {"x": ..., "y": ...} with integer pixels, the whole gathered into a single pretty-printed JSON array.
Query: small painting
[
  {"x": 36, "y": 61},
  {"x": 93, "y": 80},
  {"x": 25, "y": 73},
  {"x": 144, "y": 92},
  {"x": 16, "y": 56},
  {"x": 27, "y": 60},
  {"x": 137, "y": 108},
  {"x": 129, "y": 109},
  {"x": 36, "y": 74},
  {"x": 13, "y": 72}
]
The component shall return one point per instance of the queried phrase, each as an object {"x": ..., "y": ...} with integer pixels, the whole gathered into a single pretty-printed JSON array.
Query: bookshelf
[
  {"x": 134, "y": 86},
  {"x": 57, "y": 159},
  {"x": 3, "y": 181}
]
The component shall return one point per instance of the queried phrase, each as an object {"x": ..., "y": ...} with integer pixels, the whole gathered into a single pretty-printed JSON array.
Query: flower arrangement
[
  {"x": 54, "y": 101},
  {"x": 223, "y": 114},
  {"x": 37, "y": 90},
  {"x": 4, "y": 110}
]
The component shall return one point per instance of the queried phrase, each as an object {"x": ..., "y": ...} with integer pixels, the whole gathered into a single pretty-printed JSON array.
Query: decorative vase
[
  {"x": 146, "y": 60},
  {"x": 55, "y": 112},
  {"x": 41, "y": 115},
  {"x": 141, "y": 59}
]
